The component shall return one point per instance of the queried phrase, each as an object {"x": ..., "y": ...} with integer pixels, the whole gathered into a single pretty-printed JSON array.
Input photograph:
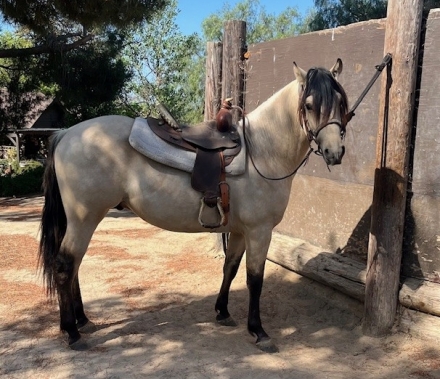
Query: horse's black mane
[{"x": 323, "y": 86}]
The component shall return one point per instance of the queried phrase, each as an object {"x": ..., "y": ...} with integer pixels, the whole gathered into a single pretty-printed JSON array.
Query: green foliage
[
  {"x": 69, "y": 50},
  {"x": 16, "y": 84},
  {"x": 89, "y": 81},
  {"x": 333, "y": 13},
  {"x": 260, "y": 25},
  {"x": 26, "y": 180},
  {"x": 50, "y": 17},
  {"x": 160, "y": 57}
]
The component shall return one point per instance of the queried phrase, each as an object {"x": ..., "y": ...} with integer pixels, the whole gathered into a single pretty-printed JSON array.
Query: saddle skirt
[{"x": 146, "y": 142}]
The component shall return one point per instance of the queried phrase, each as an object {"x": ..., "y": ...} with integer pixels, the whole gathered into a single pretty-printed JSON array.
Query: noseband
[{"x": 312, "y": 135}]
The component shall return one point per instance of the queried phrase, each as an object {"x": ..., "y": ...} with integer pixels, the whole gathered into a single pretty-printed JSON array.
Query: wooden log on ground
[
  {"x": 421, "y": 295},
  {"x": 345, "y": 274},
  {"x": 336, "y": 271}
]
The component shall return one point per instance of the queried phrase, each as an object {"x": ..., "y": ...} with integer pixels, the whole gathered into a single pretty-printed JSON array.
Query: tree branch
[{"x": 44, "y": 49}]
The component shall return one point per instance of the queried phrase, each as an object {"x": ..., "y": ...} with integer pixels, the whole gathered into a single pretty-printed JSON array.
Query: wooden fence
[{"x": 325, "y": 231}]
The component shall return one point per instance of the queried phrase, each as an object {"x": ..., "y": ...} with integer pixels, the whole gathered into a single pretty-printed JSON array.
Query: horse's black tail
[{"x": 53, "y": 219}]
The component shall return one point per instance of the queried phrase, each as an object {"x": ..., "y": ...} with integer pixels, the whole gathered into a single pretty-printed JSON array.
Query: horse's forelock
[{"x": 323, "y": 86}]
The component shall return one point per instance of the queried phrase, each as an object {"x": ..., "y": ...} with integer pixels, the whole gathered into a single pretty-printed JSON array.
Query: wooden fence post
[
  {"x": 234, "y": 47},
  {"x": 402, "y": 39},
  {"x": 213, "y": 81}
]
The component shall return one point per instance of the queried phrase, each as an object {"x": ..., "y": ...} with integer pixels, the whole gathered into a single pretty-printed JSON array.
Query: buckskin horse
[{"x": 92, "y": 168}]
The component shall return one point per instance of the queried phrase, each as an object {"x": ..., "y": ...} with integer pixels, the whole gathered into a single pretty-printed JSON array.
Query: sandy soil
[{"x": 151, "y": 294}]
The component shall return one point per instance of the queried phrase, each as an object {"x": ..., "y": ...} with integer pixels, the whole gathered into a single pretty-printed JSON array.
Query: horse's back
[{"x": 90, "y": 159}]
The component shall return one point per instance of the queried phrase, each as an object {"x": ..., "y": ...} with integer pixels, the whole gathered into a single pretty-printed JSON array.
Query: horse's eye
[{"x": 309, "y": 107}]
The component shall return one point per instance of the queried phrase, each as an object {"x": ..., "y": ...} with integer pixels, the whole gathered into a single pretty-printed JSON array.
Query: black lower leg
[
  {"x": 81, "y": 318},
  {"x": 255, "y": 285},
  {"x": 230, "y": 269},
  {"x": 64, "y": 278}
]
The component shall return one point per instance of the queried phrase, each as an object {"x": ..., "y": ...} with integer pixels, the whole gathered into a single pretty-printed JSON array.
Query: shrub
[{"x": 26, "y": 180}]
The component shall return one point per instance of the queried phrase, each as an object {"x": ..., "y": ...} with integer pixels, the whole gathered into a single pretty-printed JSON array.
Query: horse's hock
[{"x": 332, "y": 210}]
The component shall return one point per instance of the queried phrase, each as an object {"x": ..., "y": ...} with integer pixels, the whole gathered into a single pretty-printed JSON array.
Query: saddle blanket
[{"x": 146, "y": 142}]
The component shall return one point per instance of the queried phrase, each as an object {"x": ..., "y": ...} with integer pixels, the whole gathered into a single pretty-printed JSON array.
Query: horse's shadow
[
  {"x": 302, "y": 311},
  {"x": 357, "y": 244}
]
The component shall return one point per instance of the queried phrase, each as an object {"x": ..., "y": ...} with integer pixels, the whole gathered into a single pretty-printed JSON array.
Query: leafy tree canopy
[
  {"x": 163, "y": 61},
  {"x": 64, "y": 25},
  {"x": 69, "y": 50},
  {"x": 260, "y": 25},
  {"x": 332, "y": 13}
]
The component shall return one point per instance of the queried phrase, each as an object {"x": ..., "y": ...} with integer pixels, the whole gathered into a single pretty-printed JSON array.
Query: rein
[
  {"x": 379, "y": 68},
  {"x": 252, "y": 159}
]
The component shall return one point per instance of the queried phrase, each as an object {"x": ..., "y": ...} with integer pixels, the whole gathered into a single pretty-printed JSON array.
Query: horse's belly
[{"x": 163, "y": 197}]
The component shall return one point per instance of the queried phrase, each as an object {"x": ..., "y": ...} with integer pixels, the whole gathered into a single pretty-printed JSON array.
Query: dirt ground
[{"x": 151, "y": 294}]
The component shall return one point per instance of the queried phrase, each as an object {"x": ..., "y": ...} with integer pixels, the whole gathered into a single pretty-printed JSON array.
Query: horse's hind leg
[
  {"x": 233, "y": 258},
  {"x": 64, "y": 274},
  {"x": 73, "y": 248},
  {"x": 83, "y": 323}
]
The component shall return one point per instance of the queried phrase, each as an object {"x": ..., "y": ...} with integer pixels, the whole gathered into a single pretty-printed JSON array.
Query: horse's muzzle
[{"x": 333, "y": 157}]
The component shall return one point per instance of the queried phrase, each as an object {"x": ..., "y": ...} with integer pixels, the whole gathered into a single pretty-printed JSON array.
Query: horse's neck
[{"x": 275, "y": 136}]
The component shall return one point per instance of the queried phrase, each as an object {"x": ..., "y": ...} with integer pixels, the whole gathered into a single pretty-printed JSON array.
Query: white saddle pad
[{"x": 146, "y": 142}]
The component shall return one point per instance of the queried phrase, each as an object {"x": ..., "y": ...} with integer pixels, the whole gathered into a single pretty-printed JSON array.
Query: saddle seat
[
  {"x": 207, "y": 136},
  {"x": 204, "y": 135}
]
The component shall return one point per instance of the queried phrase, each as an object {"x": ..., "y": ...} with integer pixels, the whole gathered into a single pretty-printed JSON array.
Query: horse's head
[{"x": 323, "y": 107}]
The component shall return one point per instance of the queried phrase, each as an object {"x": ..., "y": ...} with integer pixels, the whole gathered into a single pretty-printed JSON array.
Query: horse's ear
[
  {"x": 300, "y": 75},
  {"x": 337, "y": 68}
]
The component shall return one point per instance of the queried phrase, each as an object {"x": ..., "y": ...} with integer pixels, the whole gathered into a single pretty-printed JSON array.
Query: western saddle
[{"x": 215, "y": 143}]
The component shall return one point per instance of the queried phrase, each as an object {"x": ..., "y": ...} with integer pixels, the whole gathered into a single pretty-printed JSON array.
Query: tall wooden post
[
  {"x": 402, "y": 37},
  {"x": 234, "y": 47},
  {"x": 213, "y": 81}
]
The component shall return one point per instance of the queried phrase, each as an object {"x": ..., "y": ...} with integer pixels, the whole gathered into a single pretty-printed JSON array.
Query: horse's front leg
[
  {"x": 257, "y": 246},
  {"x": 233, "y": 258}
]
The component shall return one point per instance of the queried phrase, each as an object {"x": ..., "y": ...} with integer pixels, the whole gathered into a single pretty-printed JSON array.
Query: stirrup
[{"x": 220, "y": 211}]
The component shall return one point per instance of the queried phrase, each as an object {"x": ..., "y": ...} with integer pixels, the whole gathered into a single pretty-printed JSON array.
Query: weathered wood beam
[
  {"x": 420, "y": 295},
  {"x": 336, "y": 271},
  {"x": 402, "y": 38},
  {"x": 213, "y": 81},
  {"x": 234, "y": 45}
]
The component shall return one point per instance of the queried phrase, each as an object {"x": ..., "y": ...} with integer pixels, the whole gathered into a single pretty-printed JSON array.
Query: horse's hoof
[
  {"x": 267, "y": 346},
  {"x": 228, "y": 321},
  {"x": 88, "y": 328},
  {"x": 79, "y": 345}
]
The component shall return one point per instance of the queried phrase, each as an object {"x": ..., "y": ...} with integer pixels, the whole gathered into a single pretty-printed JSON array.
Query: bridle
[{"x": 312, "y": 135}]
